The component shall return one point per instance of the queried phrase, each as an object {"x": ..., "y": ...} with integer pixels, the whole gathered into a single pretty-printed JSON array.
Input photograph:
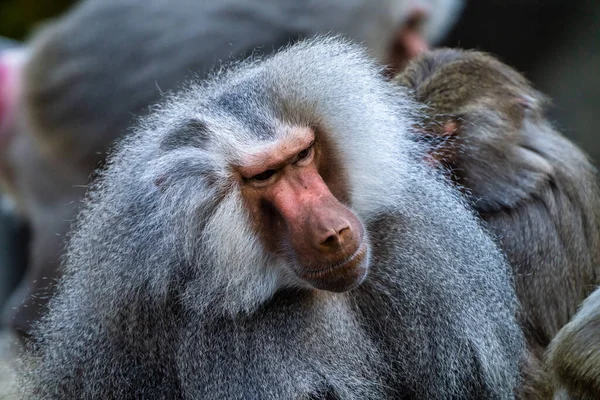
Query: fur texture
[
  {"x": 95, "y": 69},
  {"x": 574, "y": 354},
  {"x": 168, "y": 294},
  {"x": 536, "y": 191}
]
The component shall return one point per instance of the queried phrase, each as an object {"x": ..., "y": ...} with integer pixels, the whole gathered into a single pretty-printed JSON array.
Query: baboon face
[{"x": 292, "y": 204}]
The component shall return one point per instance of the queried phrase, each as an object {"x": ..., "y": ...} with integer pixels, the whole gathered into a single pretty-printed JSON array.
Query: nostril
[
  {"x": 337, "y": 238},
  {"x": 330, "y": 240}
]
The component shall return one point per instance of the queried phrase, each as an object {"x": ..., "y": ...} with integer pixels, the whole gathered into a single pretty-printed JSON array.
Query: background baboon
[
  {"x": 574, "y": 354},
  {"x": 92, "y": 71},
  {"x": 207, "y": 260},
  {"x": 536, "y": 191},
  {"x": 555, "y": 44}
]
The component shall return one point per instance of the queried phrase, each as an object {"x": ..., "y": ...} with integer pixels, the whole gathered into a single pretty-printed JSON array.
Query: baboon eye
[
  {"x": 263, "y": 176},
  {"x": 304, "y": 154}
]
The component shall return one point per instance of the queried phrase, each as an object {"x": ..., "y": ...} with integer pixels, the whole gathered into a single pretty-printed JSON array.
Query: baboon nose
[{"x": 337, "y": 238}]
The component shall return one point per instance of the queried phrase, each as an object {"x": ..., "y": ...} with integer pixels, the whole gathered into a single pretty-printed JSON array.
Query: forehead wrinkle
[
  {"x": 238, "y": 137},
  {"x": 236, "y": 141},
  {"x": 277, "y": 153}
]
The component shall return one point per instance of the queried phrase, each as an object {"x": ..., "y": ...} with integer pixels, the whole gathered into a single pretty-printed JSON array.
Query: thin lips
[{"x": 357, "y": 256}]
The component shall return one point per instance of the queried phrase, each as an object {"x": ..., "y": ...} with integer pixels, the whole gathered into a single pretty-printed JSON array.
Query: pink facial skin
[{"x": 11, "y": 65}]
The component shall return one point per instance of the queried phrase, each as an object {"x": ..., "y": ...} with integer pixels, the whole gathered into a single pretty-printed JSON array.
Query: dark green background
[{"x": 18, "y": 17}]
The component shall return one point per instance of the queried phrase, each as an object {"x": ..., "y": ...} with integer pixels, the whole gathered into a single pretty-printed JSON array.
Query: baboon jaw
[{"x": 343, "y": 276}]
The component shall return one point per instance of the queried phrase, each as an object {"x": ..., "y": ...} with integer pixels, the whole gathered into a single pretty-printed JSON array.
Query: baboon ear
[
  {"x": 440, "y": 137},
  {"x": 450, "y": 126},
  {"x": 434, "y": 130}
]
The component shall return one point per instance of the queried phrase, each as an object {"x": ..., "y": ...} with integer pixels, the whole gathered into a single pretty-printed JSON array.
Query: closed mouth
[{"x": 349, "y": 263}]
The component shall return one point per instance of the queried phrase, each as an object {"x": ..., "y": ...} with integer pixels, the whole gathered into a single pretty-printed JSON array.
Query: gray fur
[
  {"x": 98, "y": 67},
  {"x": 168, "y": 294}
]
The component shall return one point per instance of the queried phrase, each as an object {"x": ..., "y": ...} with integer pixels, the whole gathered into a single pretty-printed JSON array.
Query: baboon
[
  {"x": 536, "y": 191},
  {"x": 272, "y": 233},
  {"x": 91, "y": 72},
  {"x": 574, "y": 354}
]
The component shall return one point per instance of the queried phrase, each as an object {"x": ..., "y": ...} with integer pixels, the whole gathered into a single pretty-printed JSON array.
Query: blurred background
[
  {"x": 19, "y": 17},
  {"x": 555, "y": 43}
]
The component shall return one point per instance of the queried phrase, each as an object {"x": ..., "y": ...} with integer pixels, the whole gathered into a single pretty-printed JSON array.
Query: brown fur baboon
[
  {"x": 574, "y": 354},
  {"x": 536, "y": 191}
]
